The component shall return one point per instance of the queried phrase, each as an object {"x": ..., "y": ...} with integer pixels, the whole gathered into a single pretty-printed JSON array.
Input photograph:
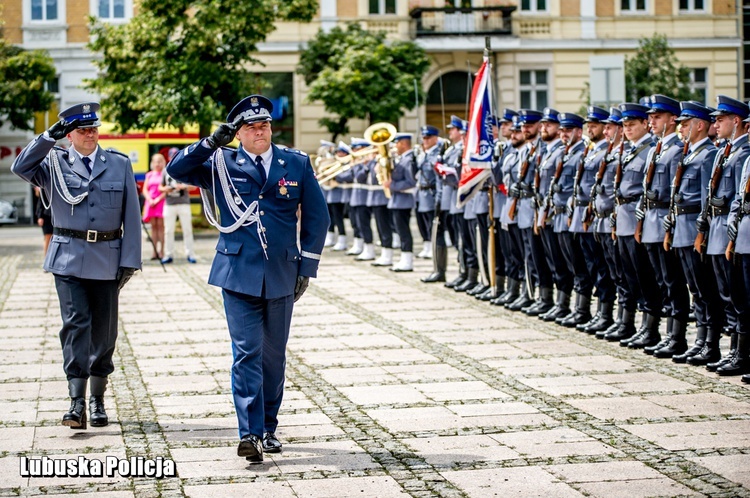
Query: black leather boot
[
  {"x": 650, "y": 336},
  {"x": 522, "y": 301},
  {"x": 97, "y": 414},
  {"x": 480, "y": 288},
  {"x": 494, "y": 293},
  {"x": 614, "y": 326},
  {"x": 625, "y": 330},
  {"x": 581, "y": 314},
  {"x": 511, "y": 293},
  {"x": 740, "y": 363},
  {"x": 457, "y": 281},
  {"x": 543, "y": 304},
  {"x": 663, "y": 342},
  {"x": 746, "y": 378},
  {"x": 470, "y": 282},
  {"x": 710, "y": 355},
  {"x": 700, "y": 341},
  {"x": 441, "y": 264},
  {"x": 605, "y": 319},
  {"x": 582, "y": 326},
  {"x": 677, "y": 342},
  {"x": 636, "y": 335},
  {"x": 75, "y": 418},
  {"x": 559, "y": 310}
]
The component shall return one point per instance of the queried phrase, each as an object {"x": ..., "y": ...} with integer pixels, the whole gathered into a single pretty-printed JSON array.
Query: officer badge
[
  {"x": 282, "y": 187},
  {"x": 254, "y": 101},
  {"x": 86, "y": 108}
]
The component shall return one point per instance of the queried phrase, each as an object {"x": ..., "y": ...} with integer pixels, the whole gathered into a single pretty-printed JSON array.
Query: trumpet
[
  {"x": 331, "y": 168},
  {"x": 380, "y": 135}
]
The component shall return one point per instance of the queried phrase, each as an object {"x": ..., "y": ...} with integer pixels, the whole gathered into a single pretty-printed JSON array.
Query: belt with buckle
[
  {"x": 604, "y": 214},
  {"x": 719, "y": 211},
  {"x": 560, "y": 209},
  {"x": 649, "y": 204},
  {"x": 626, "y": 200},
  {"x": 578, "y": 203},
  {"x": 688, "y": 209},
  {"x": 89, "y": 235}
]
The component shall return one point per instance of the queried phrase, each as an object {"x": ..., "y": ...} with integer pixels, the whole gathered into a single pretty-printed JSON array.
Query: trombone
[
  {"x": 380, "y": 135},
  {"x": 331, "y": 168}
]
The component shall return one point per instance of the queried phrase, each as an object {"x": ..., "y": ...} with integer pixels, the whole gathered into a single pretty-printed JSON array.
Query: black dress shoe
[
  {"x": 251, "y": 448},
  {"x": 75, "y": 418},
  {"x": 271, "y": 443},
  {"x": 98, "y": 416}
]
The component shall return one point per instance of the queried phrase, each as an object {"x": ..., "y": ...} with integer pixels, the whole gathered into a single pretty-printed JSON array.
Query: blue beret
[
  {"x": 615, "y": 116},
  {"x": 429, "y": 131},
  {"x": 596, "y": 114},
  {"x": 692, "y": 109},
  {"x": 85, "y": 114},
  {"x": 457, "y": 122},
  {"x": 630, "y": 110},
  {"x": 728, "y": 105},
  {"x": 508, "y": 115},
  {"x": 358, "y": 142},
  {"x": 251, "y": 109},
  {"x": 530, "y": 116},
  {"x": 550, "y": 116},
  {"x": 403, "y": 136},
  {"x": 570, "y": 120},
  {"x": 662, "y": 103}
]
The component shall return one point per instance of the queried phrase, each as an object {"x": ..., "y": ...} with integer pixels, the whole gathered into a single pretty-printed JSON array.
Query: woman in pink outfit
[{"x": 153, "y": 207}]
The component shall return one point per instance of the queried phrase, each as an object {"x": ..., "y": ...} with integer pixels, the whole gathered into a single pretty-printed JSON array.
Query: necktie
[
  {"x": 87, "y": 163},
  {"x": 261, "y": 169}
]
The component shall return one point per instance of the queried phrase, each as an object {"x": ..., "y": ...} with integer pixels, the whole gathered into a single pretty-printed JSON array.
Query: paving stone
[
  {"x": 734, "y": 467},
  {"x": 383, "y": 394},
  {"x": 365, "y": 487},
  {"x": 690, "y": 435},
  {"x": 446, "y": 451},
  {"x": 622, "y": 408},
  {"x": 554, "y": 443},
  {"x": 523, "y": 481},
  {"x": 241, "y": 490}
]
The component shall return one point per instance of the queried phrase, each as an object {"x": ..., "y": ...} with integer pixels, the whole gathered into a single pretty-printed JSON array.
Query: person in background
[
  {"x": 176, "y": 205},
  {"x": 153, "y": 206}
]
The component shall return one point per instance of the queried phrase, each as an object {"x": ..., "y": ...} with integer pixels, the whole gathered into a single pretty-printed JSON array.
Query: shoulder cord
[
  {"x": 243, "y": 214},
  {"x": 59, "y": 185}
]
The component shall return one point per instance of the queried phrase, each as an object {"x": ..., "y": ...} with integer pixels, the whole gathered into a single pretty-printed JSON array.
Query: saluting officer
[
  {"x": 258, "y": 264},
  {"x": 635, "y": 262},
  {"x": 695, "y": 121},
  {"x": 95, "y": 248},
  {"x": 728, "y": 164}
]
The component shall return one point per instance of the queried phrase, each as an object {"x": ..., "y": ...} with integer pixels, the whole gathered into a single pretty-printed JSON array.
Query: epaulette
[
  {"x": 115, "y": 151},
  {"x": 61, "y": 149},
  {"x": 230, "y": 149},
  {"x": 296, "y": 151}
]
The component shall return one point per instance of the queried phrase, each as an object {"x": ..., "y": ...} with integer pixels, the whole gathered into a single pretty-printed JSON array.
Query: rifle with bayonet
[
  {"x": 650, "y": 171},
  {"x": 676, "y": 181},
  {"x": 577, "y": 181},
  {"x": 521, "y": 177},
  {"x": 555, "y": 178}
]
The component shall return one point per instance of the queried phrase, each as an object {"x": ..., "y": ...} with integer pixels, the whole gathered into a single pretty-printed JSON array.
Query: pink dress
[{"x": 152, "y": 182}]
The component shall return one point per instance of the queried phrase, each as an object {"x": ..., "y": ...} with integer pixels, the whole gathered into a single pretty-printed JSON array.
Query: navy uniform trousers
[
  {"x": 709, "y": 309},
  {"x": 640, "y": 275},
  {"x": 561, "y": 273},
  {"x": 625, "y": 298},
  {"x": 595, "y": 263}
]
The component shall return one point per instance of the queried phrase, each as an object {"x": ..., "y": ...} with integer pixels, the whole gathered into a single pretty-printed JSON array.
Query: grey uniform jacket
[
  {"x": 631, "y": 188},
  {"x": 526, "y": 207},
  {"x": 605, "y": 196},
  {"x": 666, "y": 167},
  {"x": 375, "y": 191},
  {"x": 727, "y": 188},
  {"x": 356, "y": 177},
  {"x": 552, "y": 155},
  {"x": 692, "y": 189},
  {"x": 402, "y": 182},
  {"x": 742, "y": 244},
  {"x": 446, "y": 186},
  {"x": 508, "y": 174},
  {"x": 112, "y": 203},
  {"x": 564, "y": 187},
  {"x": 497, "y": 178},
  {"x": 588, "y": 178},
  {"x": 427, "y": 179}
]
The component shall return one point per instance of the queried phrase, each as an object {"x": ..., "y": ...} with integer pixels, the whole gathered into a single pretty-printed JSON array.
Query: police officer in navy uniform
[
  {"x": 728, "y": 164},
  {"x": 258, "y": 264},
  {"x": 695, "y": 121},
  {"x": 95, "y": 248}
]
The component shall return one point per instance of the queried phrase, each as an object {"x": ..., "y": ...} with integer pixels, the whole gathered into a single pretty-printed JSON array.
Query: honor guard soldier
[
  {"x": 723, "y": 187},
  {"x": 628, "y": 191},
  {"x": 603, "y": 195},
  {"x": 687, "y": 196},
  {"x": 402, "y": 186},
  {"x": 563, "y": 183},
  {"x": 95, "y": 247},
  {"x": 258, "y": 263},
  {"x": 426, "y": 185},
  {"x": 561, "y": 273}
]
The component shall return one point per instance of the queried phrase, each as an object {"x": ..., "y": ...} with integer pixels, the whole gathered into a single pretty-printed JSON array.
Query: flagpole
[{"x": 491, "y": 260}]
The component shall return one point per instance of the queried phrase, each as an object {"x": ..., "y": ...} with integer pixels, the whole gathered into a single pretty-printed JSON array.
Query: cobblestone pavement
[{"x": 394, "y": 388}]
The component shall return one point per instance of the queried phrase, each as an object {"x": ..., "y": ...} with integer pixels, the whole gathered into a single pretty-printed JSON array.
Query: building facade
[{"x": 545, "y": 52}]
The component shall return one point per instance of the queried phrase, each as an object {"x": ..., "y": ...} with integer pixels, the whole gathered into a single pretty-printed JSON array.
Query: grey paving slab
[{"x": 523, "y": 481}]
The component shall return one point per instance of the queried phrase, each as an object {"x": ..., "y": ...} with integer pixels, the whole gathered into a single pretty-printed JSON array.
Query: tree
[
  {"x": 22, "y": 84},
  {"x": 357, "y": 74},
  {"x": 184, "y": 61},
  {"x": 656, "y": 69}
]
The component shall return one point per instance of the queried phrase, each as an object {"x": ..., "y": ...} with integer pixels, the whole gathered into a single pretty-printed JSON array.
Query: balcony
[{"x": 440, "y": 21}]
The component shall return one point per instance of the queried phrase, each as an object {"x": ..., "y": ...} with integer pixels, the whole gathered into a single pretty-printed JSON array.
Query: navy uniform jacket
[
  {"x": 355, "y": 177},
  {"x": 552, "y": 155},
  {"x": 564, "y": 185},
  {"x": 633, "y": 170},
  {"x": 427, "y": 179},
  {"x": 112, "y": 203},
  {"x": 375, "y": 191},
  {"x": 692, "y": 189},
  {"x": 742, "y": 244},
  {"x": 240, "y": 264},
  {"x": 525, "y": 208},
  {"x": 727, "y": 188},
  {"x": 661, "y": 186},
  {"x": 402, "y": 182},
  {"x": 590, "y": 168},
  {"x": 605, "y": 197}
]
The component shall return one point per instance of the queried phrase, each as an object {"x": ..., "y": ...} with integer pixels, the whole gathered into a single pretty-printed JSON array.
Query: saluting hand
[
  {"x": 60, "y": 129},
  {"x": 224, "y": 134}
]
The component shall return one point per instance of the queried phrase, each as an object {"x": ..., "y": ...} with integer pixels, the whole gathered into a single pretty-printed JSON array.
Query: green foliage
[
  {"x": 184, "y": 61},
  {"x": 22, "y": 92},
  {"x": 358, "y": 74},
  {"x": 656, "y": 69}
]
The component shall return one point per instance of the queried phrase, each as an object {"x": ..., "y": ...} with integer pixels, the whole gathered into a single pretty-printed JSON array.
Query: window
[
  {"x": 533, "y": 89},
  {"x": 533, "y": 5},
  {"x": 382, "y": 6},
  {"x": 692, "y": 5},
  {"x": 699, "y": 83},
  {"x": 111, "y": 9},
  {"x": 44, "y": 10},
  {"x": 634, "y": 5}
]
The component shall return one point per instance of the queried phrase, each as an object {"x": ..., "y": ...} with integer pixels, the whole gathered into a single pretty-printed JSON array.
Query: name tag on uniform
[{"x": 241, "y": 180}]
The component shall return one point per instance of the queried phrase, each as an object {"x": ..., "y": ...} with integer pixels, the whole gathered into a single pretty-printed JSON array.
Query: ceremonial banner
[{"x": 477, "y": 158}]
